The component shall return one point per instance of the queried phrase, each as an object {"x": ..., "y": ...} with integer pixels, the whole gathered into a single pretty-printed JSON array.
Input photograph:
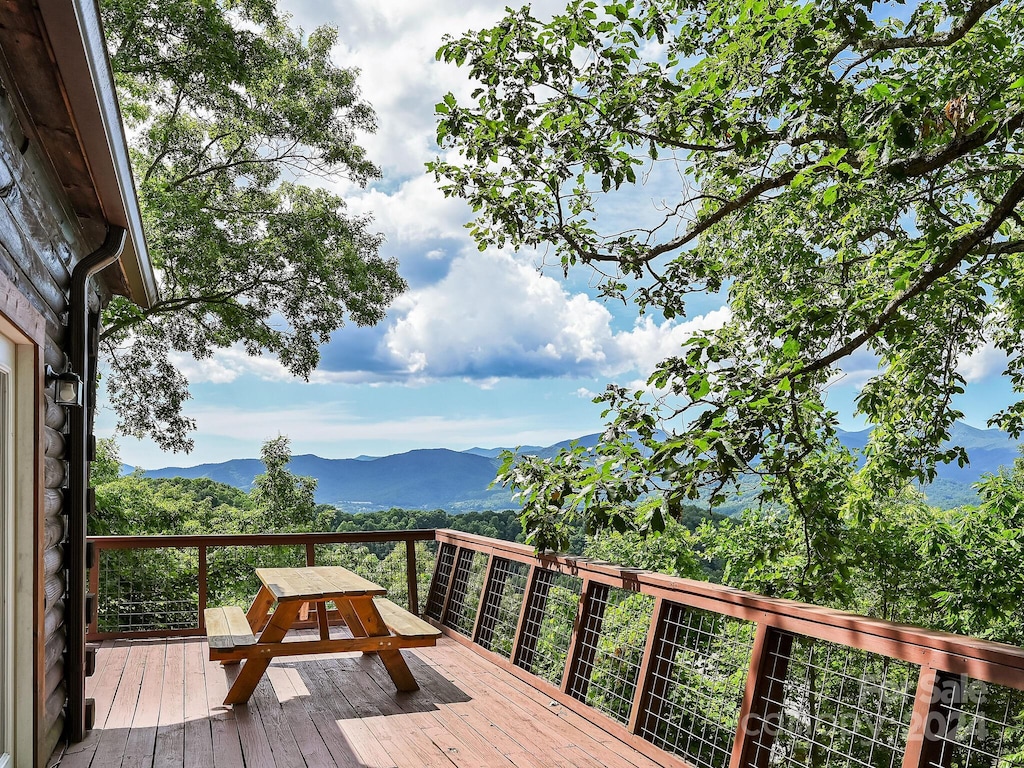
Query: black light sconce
[{"x": 68, "y": 387}]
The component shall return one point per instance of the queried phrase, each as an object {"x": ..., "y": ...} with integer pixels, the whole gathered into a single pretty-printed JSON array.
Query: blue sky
[{"x": 485, "y": 349}]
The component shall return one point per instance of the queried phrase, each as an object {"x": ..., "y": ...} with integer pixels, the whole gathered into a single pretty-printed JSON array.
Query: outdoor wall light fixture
[{"x": 68, "y": 387}]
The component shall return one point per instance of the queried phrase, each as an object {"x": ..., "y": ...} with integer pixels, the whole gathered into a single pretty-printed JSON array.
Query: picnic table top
[{"x": 321, "y": 582}]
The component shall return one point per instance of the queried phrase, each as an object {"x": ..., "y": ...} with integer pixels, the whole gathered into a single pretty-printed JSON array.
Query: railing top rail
[
  {"x": 984, "y": 659},
  {"x": 258, "y": 539}
]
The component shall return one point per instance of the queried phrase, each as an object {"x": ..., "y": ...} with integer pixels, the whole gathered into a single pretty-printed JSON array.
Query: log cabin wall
[{"x": 40, "y": 242}]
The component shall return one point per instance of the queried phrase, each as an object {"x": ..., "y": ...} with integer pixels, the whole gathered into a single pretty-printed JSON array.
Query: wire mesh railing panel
[
  {"x": 467, "y": 585},
  {"x": 502, "y": 606},
  {"x": 611, "y": 650},
  {"x": 439, "y": 585},
  {"x": 383, "y": 563},
  {"x": 231, "y": 571},
  {"x": 547, "y": 629},
  {"x": 426, "y": 557},
  {"x": 148, "y": 589},
  {"x": 835, "y": 706},
  {"x": 985, "y": 728},
  {"x": 698, "y": 674}
]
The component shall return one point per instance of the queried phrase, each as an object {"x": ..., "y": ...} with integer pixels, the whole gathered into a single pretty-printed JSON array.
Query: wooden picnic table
[{"x": 376, "y": 624}]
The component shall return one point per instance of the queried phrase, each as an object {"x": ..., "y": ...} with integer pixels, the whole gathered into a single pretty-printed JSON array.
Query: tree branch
[
  {"x": 766, "y": 185},
  {"x": 960, "y": 250},
  {"x": 184, "y": 302},
  {"x": 947, "y": 153},
  {"x": 972, "y": 17}
]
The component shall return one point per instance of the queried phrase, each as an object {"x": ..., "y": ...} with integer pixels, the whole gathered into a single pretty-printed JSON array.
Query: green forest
[{"x": 956, "y": 570}]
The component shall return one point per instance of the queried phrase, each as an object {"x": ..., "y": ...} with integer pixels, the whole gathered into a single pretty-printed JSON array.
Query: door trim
[{"x": 26, "y": 327}]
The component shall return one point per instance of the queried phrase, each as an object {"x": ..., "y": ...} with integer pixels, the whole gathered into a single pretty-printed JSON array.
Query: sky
[{"x": 485, "y": 349}]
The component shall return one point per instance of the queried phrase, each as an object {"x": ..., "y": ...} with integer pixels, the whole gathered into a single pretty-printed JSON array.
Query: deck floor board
[
  {"x": 159, "y": 705},
  {"x": 170, "y": 735}
]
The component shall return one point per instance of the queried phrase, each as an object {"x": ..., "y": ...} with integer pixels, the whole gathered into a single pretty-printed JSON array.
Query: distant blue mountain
[
  {"x": 493, "y": 453},
  {"x": 988, "y": 449},
  {"x": 424, "y": 479},
  {"x": 458, "y": 481}
]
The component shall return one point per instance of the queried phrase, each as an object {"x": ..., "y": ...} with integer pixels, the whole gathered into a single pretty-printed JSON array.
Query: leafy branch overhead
[
  {"x": 229, "y": 105},
  {"x": 849, "y": 174}
]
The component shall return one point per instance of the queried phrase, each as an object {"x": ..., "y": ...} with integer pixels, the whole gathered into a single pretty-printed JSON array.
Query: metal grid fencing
[
  {"x": 547, "y": 628},
  {"x": 467, "y": 585},
  {"x": 439, "y": 585},
  {"x": 983, "y": 728},
  {"x": 831, "y": 706},
  {"x": 502, "y": 605},
  {"x": 698, "y": 674},
  {"x": 148, "y": 589},
  {"x": 611, "y": 649}
]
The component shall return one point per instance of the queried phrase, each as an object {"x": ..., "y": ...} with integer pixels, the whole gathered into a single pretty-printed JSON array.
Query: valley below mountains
[{"x": 457, "y": 481}]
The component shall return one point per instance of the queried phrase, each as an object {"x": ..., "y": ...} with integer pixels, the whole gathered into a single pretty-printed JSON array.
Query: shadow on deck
[{"x": 158, "y": 704}]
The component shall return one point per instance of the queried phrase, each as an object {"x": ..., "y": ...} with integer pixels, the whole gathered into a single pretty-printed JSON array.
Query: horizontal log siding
[{"x": 40, "y": 242}]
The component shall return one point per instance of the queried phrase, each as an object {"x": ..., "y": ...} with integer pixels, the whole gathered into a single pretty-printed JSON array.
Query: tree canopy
[
  {"x": 229, "y": 106},
  {"x": 846, "y": 174}
]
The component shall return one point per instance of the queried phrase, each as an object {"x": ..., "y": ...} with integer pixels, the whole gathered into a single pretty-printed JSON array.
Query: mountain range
[{"x": 457, "y": 481}]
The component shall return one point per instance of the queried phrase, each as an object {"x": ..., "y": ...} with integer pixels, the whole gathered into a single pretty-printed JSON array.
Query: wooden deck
[{"x": 158, "y": 704}]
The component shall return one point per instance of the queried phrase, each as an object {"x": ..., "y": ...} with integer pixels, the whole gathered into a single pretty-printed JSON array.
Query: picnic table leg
[
  {"x": 253, "y": 669},
  {"x": 321, "y": 620},
  {"x": 393, "y": 660},
  {"x": 257, "y": 614},
  {"x": 355, "y": 624}
]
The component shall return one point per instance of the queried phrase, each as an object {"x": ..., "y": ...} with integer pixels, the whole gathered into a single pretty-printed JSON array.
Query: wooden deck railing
[
  {"x": 692, "y": 673},
  {"x": 165, "y": 593},
  {"x": 717, "y": 677}
]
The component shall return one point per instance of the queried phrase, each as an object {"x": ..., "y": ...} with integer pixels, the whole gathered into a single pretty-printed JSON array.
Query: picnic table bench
[{"x": 377, "y": 625}]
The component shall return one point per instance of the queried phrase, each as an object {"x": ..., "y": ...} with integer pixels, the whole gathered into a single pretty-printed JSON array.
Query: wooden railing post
[
  {"x": 202, "y": 587},
  {"x": 310, "y": 554},
  {"x": 761, "y": 708},
  {"x": 650, "y": 687},
  {"x": 411, "y": 573},
  {"x": 935, "y": 719}
]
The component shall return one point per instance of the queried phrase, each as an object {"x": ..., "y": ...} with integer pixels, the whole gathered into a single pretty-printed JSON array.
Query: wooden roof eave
[{"x": 60, "y": 58}]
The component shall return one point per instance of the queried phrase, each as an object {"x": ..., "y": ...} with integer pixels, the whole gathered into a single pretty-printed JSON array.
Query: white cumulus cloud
[
  {"x": 985, "y": 361},
  {"x": 494, "y": 316},
  {"x": 227, "y": 365}
]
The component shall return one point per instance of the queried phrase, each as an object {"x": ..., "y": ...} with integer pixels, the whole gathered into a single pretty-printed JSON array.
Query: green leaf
[{"x": 879, "y": 91}]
